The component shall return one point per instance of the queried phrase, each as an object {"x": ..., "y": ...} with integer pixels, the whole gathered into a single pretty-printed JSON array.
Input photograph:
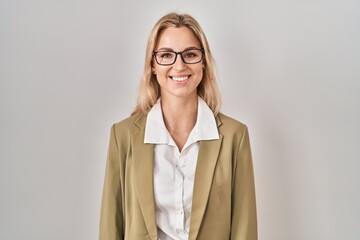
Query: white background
[{"x": 290, "y": 70}]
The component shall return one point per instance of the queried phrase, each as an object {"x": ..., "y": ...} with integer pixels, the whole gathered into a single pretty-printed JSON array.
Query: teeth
[{"x": 180, "y": 78}]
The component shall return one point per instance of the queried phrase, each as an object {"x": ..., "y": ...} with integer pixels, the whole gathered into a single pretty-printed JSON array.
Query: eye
[
  {"x": 190, "y": 54},
  {"x": 166, "y": 54}
]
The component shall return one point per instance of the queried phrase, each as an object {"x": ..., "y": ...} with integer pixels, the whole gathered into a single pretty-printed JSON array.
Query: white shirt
[{"x": 174, "y": 171}]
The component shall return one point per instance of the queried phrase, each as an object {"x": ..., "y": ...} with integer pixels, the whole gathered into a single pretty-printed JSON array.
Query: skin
[{"x": 178, "y": 98}]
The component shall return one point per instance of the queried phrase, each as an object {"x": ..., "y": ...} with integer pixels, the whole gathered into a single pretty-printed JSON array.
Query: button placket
[{"x": 179, "y": 183}]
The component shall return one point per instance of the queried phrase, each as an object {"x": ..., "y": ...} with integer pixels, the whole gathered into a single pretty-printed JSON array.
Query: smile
[{"x": 180, "y": 78}]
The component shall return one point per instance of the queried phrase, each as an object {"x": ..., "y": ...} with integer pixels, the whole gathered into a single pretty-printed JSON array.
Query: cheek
[
  {"x": 160, "y": 72},
  {"x": 161, "y": 77},
  {"x": 200, "y": 74}
]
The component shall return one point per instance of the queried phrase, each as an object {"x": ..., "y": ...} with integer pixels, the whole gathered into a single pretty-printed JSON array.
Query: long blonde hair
[{"x": 149, "y": 91}]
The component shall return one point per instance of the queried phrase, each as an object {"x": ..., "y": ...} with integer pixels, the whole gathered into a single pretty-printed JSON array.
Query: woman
[{"x": 177, "y": 168}]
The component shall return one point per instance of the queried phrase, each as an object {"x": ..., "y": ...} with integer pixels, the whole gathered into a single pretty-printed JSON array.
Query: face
[{"x": 180, "y": 79}]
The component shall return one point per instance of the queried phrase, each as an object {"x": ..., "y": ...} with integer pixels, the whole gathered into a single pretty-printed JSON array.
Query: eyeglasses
[{"x": 167, "y": 57}]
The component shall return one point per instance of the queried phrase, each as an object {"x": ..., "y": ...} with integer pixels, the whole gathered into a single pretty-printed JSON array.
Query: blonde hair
[{"x": 149, "y": 91}]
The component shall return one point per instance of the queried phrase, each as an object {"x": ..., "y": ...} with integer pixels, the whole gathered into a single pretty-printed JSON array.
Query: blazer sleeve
[
  {"x": 111, "y": 216},
  {"x": 244, "y": 220}
]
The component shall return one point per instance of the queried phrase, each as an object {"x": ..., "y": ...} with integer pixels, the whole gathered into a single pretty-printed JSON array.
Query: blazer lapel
[
  {"x": 144, "y": 170},
  {"x": 207, "y": 159}
]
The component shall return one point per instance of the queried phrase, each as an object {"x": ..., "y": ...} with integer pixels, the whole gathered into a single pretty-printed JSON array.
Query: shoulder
[
  {"x": 229, "y": 122},
  {"x": 229, "y": 126},
  {"x": 131, "y": 124},
  {"x": 122, "y": 131}
]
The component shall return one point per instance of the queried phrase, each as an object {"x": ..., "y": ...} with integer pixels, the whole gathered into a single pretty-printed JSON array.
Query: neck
[
  {"x": 179, "y": 112},
  {"x": 180, "y": 117}
]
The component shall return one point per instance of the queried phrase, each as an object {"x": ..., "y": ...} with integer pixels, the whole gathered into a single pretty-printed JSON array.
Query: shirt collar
[{"x": 204, "y": 129}]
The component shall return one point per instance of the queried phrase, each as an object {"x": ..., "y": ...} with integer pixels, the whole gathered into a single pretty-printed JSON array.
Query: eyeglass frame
[{"x": 179, "y": 53}]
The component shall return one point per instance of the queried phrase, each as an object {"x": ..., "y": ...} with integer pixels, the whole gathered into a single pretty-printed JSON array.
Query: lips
[{"x": 180, "y": 78}]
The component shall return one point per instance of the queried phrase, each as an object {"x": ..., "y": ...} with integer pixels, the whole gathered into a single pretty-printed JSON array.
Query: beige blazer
[{"x": 223, "y": 204}]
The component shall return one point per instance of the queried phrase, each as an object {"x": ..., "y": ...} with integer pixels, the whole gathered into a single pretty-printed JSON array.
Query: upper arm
[
  {"x": 244, "y": 220},
  {"x": 111, "y": 217}
]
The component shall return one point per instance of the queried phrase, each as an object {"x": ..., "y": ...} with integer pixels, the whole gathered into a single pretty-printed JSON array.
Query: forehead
[{"x": 177, "y": 39}]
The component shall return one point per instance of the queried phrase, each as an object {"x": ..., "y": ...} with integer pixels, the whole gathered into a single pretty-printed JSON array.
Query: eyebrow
[{"x": 170, "y": 49}]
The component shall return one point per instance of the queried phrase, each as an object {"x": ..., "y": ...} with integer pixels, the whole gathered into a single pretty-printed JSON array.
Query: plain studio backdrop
[{"x": 290, "y": 70}]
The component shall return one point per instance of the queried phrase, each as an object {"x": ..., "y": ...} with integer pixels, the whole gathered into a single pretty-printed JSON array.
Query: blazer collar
[{"x": 144, "y": 171}]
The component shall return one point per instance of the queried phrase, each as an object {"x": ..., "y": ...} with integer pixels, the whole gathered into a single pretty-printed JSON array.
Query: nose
[{"x": 179, "y": 63}]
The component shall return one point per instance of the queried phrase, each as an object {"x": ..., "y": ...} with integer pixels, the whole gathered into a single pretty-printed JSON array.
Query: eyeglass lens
[{"x": 168, "y": 57}]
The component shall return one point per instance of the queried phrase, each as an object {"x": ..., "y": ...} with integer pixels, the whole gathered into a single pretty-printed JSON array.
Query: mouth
[{"x": 180, "y": 79}]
